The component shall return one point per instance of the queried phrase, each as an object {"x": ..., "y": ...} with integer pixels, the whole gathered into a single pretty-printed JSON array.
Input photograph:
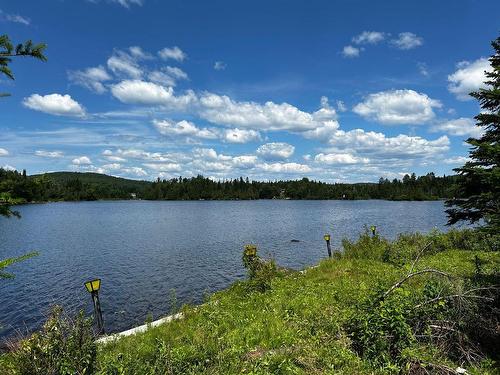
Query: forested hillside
[{"x": 74, "y": 186}]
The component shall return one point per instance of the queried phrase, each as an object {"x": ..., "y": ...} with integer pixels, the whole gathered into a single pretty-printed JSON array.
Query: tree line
[{"x": 72, "y": 186}]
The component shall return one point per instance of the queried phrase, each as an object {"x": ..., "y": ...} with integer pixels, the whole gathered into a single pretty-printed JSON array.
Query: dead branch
[{"x": 410, "y": 275}]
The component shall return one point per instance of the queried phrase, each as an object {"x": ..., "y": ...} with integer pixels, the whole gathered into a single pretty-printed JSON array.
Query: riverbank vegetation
[
  {"x": 422, "y": 304},
  {"x": 74, "y": 186}
]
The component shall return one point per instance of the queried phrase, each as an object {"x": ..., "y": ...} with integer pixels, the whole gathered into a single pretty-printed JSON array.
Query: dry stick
[
  {"x": 465, "y": 294},
  {"x": 410, "y": 275},
  {"x": 418, "y": 256}
]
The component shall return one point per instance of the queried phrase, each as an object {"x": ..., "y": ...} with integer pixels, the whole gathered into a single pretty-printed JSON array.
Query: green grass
[
  {"x": 299, "y": 326},
  {"x": 330, "y": 319}
]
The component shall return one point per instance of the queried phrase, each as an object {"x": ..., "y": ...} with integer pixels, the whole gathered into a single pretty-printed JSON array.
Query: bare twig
[
  {"x": 418, "y": 256},
  {"x": 410, "y": 275}
]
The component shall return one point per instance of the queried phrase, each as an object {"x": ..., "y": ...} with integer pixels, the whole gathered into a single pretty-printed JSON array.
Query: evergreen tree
[
  {"x": 7, "y": 52},
  {"x": 479, "y": 179}
]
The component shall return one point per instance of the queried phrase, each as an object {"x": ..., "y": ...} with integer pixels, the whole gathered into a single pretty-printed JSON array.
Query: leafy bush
[
  {"x": 62, "y": 346},
  {"x": 260, "y": 271}
]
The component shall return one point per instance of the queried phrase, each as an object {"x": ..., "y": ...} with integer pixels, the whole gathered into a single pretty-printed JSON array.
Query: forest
[{"x": 74, "y": 186}]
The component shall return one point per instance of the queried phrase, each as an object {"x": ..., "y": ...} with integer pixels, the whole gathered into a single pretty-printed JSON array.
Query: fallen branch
[{"x": 410, "y": 275}]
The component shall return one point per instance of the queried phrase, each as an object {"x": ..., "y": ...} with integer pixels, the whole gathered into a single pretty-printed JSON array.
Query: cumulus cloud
[
  {"x": 49, "y": 154},
  {"x": 459, "y": 127},
  {"x": 397, "y": 107},
  {"x": 173, "y": 53},
  {"x": 468, "y": 77},
  {"x": 268, "y": 116},
  {"x": 456, "y": 160},
  {"x": 82, "y": 160},
  {"x": 54, "y": 104},
  {"x": 220, "y": 65},
  {"x": 340, "y": 158},
  {"x": 350, "y": 51},
  {"x": 90, "y": 78},
  {"x": 183, "y": 128},
  {"x": 164, "y": 167},
  {"x": 407, "y": 41},
  {"x": 369, "y": 37},
  {"x": 285, "y": 167},
  {"x": 378, "y": 145},
  {"x": 240, "y": 135},
  {"x": 149, "y": 93},
  {"x": 276, "y": 150},
  {"x": 124, "y": 64},
  {"x": 3, "y": 152}
]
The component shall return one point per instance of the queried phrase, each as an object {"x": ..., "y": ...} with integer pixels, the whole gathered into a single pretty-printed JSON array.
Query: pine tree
[
  {"x": 479, "y": 179},
  {"x": 7, "y": 52}
]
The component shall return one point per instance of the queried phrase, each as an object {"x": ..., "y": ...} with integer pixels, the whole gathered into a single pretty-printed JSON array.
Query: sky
[{"x": 338, "y": 91}]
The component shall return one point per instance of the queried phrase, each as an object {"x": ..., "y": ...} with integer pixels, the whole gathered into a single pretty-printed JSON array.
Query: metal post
[
  {"x": 327, "y": 239},
  {"x": 98, "y": 312}
]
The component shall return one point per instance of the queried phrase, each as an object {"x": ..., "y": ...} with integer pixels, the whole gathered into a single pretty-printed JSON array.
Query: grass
[{"x": 330, "y": 319}]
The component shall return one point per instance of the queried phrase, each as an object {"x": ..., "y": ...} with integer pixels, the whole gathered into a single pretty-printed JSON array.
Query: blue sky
[{"x": 333, "y": 90}]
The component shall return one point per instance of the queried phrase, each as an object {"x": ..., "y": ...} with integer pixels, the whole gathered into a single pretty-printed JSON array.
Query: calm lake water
[{"x": 144, "y": 250}]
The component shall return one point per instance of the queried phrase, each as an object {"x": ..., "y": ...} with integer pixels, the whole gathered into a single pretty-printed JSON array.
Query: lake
[{"x": 144, "y": 251}]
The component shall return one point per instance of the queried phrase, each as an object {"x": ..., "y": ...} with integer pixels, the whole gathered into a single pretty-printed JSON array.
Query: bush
[{"x": 62, "y": 346}]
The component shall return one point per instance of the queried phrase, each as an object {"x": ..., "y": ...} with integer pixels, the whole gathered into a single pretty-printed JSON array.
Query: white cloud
[
  {"x": 341, "y": 106},
  {"x": 90, "y": 78},
  {"x": 276, "y": 150},
  {"x": 245, "y": 161},
  {"x": 220, "y": 65},
  {"x": 149, "y": 93},
  {"x": 240, "y": 135},
  {"x": 82, "y": 160},
  {"x": 3, "y": 152},
  {"x": 54, "y": 104},
  {"x": 422, "y": 68},
  {"x": 128, "y": 3},
  {"x": 457, "y": 160},
  {"x": 164, "y": 167},
  {"x": 175, "y": 72},
  {"x": 340, "y": 158},
  {"x": 269, "y": 116},
  {"x": 407, "y": 41},
  {"x": 468, "y": 77},
  {"x": 139, "y": 54},
  {"x": 49, "y": 154},
  {"x": 173, "y": 53},
  {"x": 459, "y": 127},
  {"x": 369, "y": 37},
  {"x": 285, "y": 168},
  {"x": 111, "y": 167},
  {"x": 17, "y": 19},
  {"x": 183, "y": 128},
  {"x": 350, "y": 51},
  {"x": 378, "y": 145},
  {"x": 122, "y": 63},
  {"x": 8, "y": 167},
  {"x": 397, "y": 107},
  {"x": 134, "y": 171}
]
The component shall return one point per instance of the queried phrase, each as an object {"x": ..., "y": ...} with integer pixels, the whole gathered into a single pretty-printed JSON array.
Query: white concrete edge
[{"x": 136, "y": 330}]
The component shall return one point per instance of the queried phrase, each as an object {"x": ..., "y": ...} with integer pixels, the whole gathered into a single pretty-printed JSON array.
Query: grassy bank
[{"x": 420, "y": 304}]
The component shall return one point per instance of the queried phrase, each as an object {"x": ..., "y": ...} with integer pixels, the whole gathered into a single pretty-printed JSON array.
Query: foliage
[
  {"x": 479, "y": 178},
  {"x": 63, "y": 346},
  {"x": 8, "y": 51},
  {"x": 427, "y": 187},
  {"x": 260, "y": 271},
  {"x": 338, "y": 318},
  {"x": 9, "y": 261}
]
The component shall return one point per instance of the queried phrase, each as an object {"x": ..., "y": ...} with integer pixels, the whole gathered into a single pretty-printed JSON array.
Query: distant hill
[{"x": 94, "y": 178}]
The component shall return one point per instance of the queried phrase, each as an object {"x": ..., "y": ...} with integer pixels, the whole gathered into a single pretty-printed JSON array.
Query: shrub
[{"x": 62, "y": 346}]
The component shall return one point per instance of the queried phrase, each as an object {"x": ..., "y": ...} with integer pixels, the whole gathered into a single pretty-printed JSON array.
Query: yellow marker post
[
  {"x": 326, "y": 237},
  {"x": 93, "y": 287},
  {"x": 373, "y": 228}
]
